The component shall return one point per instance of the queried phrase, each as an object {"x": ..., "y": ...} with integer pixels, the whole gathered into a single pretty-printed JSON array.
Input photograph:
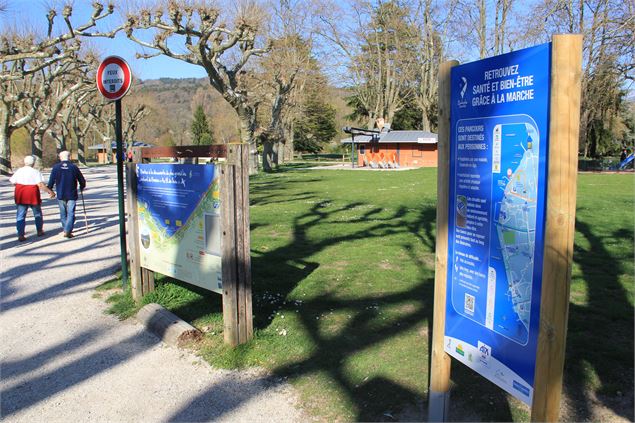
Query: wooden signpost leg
[
  {"x": 228, "y": 242},
  {"x": 133, "y": 230},
  {"x": 236, "y": 263},
  {"x": 566, "y": 60},
  {"x": 439, "y": 392},
  {"x": 243, "y": 246}
]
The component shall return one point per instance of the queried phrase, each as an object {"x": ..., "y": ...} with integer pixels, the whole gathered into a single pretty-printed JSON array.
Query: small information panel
[
  {"x": 497, "y": 194},
  {"x": 179, "y": 222}
]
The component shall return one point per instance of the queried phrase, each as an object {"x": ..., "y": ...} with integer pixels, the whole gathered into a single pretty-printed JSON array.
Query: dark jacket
[{"x": 65, "y": 175}]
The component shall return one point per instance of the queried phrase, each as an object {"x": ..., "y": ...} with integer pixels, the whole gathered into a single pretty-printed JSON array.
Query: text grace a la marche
[{"x": 503, "y": 85}]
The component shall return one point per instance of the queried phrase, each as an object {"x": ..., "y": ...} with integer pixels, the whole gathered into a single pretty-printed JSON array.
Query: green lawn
[{"x": 343, "y": 270}]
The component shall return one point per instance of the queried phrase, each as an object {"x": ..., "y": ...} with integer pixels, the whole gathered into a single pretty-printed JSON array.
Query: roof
[
  {"x": 418, "y": 137},
  {"x": 113, "y": 145}
]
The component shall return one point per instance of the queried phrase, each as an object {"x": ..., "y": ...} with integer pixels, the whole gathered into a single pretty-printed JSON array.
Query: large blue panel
[{"x": 498, "y": 178}]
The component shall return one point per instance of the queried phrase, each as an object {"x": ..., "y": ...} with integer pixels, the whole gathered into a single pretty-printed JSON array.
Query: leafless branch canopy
[
  {"x": 205, "y": 40},
  {"x": 16, "y": 47}
]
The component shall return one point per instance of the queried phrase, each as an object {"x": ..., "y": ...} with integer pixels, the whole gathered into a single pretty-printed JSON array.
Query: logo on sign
[
  {"x": 485, "y": 352},
  {"x": 459, "y": 349},
  {"x": 463, "y": 88}
]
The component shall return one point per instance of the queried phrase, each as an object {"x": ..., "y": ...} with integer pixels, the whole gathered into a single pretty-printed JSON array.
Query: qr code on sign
[{"x": 469, "y": 303}]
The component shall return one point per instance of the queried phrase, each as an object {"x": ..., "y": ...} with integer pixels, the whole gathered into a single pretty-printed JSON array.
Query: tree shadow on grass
[
  {"x": 370, "y": 328},
  {"x": 600, "y": 333}
]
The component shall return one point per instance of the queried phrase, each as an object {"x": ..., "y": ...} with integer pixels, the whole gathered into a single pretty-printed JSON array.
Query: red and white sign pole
[{"x": 113, "y": 82}]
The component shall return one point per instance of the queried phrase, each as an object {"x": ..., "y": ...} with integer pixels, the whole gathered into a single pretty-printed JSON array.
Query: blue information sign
[
  {"x": 179, "y": 222},
  {"x": 498, "y": 162}
]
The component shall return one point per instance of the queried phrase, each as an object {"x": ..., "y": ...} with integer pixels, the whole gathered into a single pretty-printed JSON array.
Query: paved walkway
[{"x": 63, "y": 359}]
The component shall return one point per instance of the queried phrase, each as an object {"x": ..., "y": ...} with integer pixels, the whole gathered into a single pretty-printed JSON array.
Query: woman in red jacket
[{"x": 28, "y": 182}]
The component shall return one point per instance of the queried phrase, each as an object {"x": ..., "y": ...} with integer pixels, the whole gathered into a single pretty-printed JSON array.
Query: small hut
[{"x": 390, "y": 149}]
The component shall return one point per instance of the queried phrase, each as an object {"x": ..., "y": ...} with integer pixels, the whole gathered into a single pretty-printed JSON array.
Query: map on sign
[
  {"x": 514, "y": 197},
  {"x": 495, "y": 216},
  {"x": 178, "y": 209}
]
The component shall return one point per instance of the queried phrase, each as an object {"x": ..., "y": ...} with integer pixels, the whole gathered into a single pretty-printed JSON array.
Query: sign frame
[
  {"x": 559, "y": 224},
  {"x": 235, "y": 238}
]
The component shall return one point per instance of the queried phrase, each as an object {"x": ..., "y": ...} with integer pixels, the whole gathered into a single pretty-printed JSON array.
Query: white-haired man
[
  {"x": 65, "y": 175},
  {"x": 28, "y": 182}
]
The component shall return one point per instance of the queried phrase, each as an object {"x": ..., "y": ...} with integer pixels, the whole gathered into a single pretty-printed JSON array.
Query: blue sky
[{"x": 32, "y": 14}]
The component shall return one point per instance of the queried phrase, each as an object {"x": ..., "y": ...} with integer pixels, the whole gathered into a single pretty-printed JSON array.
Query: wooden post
[
  {"x": 235, "y": 246},
  {"x": 566, "y": 60},
  {"x": 439, "y": 392},
  {"x": 144, "y": 281},
  {"x": 244, "y": 246},
  {"x": 133, "y": 225}
]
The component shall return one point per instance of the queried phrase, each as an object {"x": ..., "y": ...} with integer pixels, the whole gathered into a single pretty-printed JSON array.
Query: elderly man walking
[
  {"x": 28, "y": 182},
  {"x": 65, "y": 176}
]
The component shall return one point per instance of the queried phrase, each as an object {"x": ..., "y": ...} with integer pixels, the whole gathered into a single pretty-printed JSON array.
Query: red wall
[{"x": 406, "y": 154}]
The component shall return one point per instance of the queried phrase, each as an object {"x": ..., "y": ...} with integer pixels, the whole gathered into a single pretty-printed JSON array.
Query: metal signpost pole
[
  {"x": 122, "y": 216},
  {"x": 114, "y": 78},
  {"x": 352, "y": 150}
]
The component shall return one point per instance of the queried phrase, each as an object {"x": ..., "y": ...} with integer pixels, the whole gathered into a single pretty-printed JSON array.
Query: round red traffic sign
[{"x": 113, "y": 78}]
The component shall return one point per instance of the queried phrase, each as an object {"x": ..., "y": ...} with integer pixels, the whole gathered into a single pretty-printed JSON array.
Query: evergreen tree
[
  {"x": 201, "y": 130},
  {"x": 316, "y": 126}
]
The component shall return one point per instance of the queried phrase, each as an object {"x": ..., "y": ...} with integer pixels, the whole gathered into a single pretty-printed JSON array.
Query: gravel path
[{"x": 63, "y": 359}]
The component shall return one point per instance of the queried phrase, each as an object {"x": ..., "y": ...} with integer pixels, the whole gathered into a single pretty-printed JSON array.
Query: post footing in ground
[
  {"x": 166, "y": 325},
  {"x": 438, "y": 406}
]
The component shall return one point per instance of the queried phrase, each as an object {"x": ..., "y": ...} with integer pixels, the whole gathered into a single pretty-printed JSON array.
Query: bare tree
[
  {"x": 223, "y": 116},
  {"x": 475, "y": 30},
  {"x": 282, "y": 72},
  {"x": 608, "y": 27},
  {"x": 82, "y": 122},
  {"x": 24, "y": 55},
  {"x": 432, "y": 41},
  {"x": 45, "y": 48},
  {"x": 68, "y": 120},
  {"x": 378, "y": 51},
  {"x": 53, "y": 87},
  {"x": 222, "y": 49},
  {"x": 104, "y": 120}
]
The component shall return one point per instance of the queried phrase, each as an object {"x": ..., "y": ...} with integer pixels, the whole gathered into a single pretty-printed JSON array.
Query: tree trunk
[
  {"x": 289, "y": 149},
  {"x": 390, "y": 114},
  {"x": 280, "y": 149},
  {"x": 5, "y": 140},
  {"x": 482, "y": 29},
  {"x": 81, "y": 148},
  {"x": 276, "y": 153},
  {"x": 5, "y": 153},
  {"x": 36, "y": 147},
  {"x": 60, "y": 143},
  {"x": 371, "y": 122},
  {"x": 247, "y": 129},
  {"x": 81, "y": 152},
  {"x": 267, "y": 156},
  {"x": 425, "y": 120}
]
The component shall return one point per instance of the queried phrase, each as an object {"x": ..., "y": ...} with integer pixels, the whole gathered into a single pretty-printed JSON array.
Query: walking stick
[{"x": 81, "y": 193}]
